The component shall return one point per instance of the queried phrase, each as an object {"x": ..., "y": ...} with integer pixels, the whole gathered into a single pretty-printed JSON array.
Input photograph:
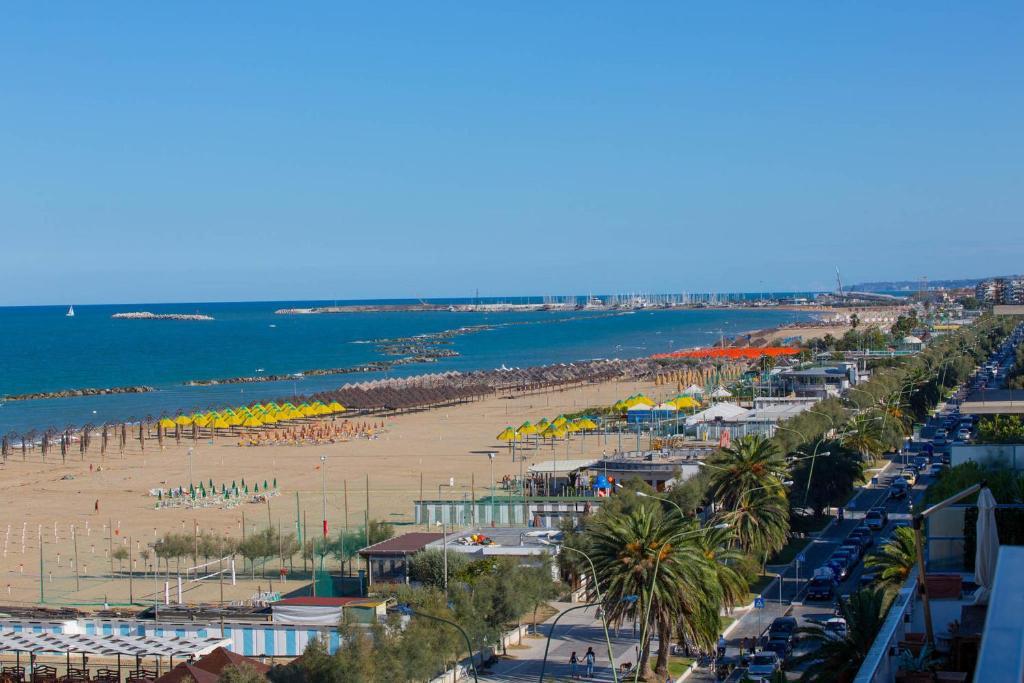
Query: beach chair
[{"x": 44, "y": 674}]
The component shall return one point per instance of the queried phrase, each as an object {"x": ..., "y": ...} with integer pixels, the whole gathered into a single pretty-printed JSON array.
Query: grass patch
[
  {"x": 677, "y": 666},
  {"x": 789, "y": 551},
  {"x": 724, "y": 623}
]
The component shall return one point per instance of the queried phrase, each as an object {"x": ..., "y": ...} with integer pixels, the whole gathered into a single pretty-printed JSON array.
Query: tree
[
  {"x": 241, "y": 674},
  {"x": 825, "y": 480},
  {"x": 261, "y": 545},
  {"x": 834, "y": 659},
  {"x": 120, "y": 554},
  {"x": 854, "y": 321},
  {"x": 379, "y": 531},
  {"x": 864, "y": 435},
  {"x": 760, "y": 523},
  {"x": 427, "y": 567},
  {"x": 648, "y": 570},
  {"x": 732, "y": 568},
  {"x": 896, "y": 558},
  {"x": 752, "y": 463}
]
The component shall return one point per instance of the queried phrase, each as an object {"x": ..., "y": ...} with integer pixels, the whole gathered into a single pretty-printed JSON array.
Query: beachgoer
[
  {"x": 590, "y": 658},
  {"x": 97, "y": 505},
  {"x": 721, "y": 645},
  {"x": 573, "y": 661}
]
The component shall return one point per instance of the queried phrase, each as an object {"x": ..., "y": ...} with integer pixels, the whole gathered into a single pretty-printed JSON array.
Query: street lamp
[
  {"x": 323, "y": 472},
  {"x": 405, "y": 609},
  {"x": 600, "y": 600}
]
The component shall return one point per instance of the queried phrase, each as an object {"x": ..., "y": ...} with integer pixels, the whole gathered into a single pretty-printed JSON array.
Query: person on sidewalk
[
  {"x": 590, "y": 658},
  {"x": 721, "y": 645},
  {"x": 573, "y": 661}
]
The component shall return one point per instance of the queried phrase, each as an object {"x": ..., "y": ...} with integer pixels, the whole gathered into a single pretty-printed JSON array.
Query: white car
[
  {"x": 836, "y": 628},
  {"x": 763, "y": 664}
]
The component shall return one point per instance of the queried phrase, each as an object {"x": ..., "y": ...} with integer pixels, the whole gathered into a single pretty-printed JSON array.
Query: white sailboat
[{"x": 70, "y": 313}]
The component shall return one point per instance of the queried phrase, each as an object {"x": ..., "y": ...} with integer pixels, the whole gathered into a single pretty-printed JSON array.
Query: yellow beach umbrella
[
  {"x": 322, "y": 410},
  {"x": 541, "y": 425},
  {"x": 183, "y": 420},
  {"x": 336, "y": 407},
  {"x": 235, "y": 420},
  {"x": 201, "y": 421},
  {"x": 527, "y": 428},
  {"x": 252, "y": 422},
  {"x": 168, "y": 423},
  {"x": 268, "y": 419},
  {"x": 587, "y": 423},
  {"x": 559, "y": 421},
  {"x": 221, "y": 423},
  {"x": 508, "y": 434}
]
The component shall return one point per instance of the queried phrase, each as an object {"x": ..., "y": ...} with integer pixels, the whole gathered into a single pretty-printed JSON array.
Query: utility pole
[
  {"x": 74, "y": 537},
  {"x": 131, "y": 574},
  {"x": 110, "y": 543}
]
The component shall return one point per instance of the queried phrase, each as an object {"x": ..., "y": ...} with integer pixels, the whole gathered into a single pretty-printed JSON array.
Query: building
[
  {"x": 820, "y": 382},
  {"x": 528, "y": 545},
  {"x": 1000, "y": 290},
  {"x": 320, "y": 611},
  {"x": 388, "y": 561}
]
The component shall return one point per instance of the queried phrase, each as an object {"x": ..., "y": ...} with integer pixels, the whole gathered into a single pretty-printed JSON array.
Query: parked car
[
  {"x": 781, "y": 646},
  {"x": 840, "y": 566},
  {"x": 782, "y": 627},
  {"x": 876, "y": 518},
  {"x": 963, "y": 434},
  {"x": 855, "y": 549},
  {"x": 861, "y": 536},
  {"x": 763, "y": 664},
  {"x": 821, "y": 589},
  {"x": 899, "y": 489},
  {"x": 836, "y": 628}
]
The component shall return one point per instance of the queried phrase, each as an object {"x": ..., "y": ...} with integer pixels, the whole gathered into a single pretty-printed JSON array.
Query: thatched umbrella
[
  {"x": 5, "y": 447},
  {"x": 103, "y": 440},
  {"x": 27, "y": 440},
  {"x": 64, "y": 447},
  {"x": 124, "y": 437}
]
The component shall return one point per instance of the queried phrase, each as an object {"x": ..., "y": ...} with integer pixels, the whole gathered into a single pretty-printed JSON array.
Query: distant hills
[{"x": 914, "y": 285}]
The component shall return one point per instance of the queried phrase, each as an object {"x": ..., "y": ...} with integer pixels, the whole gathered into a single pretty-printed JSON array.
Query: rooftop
[{"x": 406, "y": 544}]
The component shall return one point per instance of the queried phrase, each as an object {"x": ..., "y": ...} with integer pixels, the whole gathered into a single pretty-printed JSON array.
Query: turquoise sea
[{"x": 42, "y": 350}]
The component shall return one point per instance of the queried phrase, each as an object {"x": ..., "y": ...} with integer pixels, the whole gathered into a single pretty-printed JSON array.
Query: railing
[{"x": 880, "y": 666}]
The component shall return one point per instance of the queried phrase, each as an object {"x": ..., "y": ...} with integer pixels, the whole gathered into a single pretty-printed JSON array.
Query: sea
[{"x": 44, "y": 350}]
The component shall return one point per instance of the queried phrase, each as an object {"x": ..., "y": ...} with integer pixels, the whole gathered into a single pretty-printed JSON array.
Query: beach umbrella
[
  {"x": 987, "y": 548},
  {"x": 559, "y": 421},
  {"x": 336, "y": 407},
  {"x": 587, "y": 423},
  {"x": 167, "y": 423},
  {"x": 308, "y": 411},
  {"x": 183, "y": 420},
  {"x": 268, "y": 418},
  {"x": 251, "y": 422},
  {"x": 508, "y": 434},
  {"x": 221, "y": 424},
  {"x": 201, "y": 421},
  {"x": 620, "y": 406},
  {"x": 527, "y": 428}
]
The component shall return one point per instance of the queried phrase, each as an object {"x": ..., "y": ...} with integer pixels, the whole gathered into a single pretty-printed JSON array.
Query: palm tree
[
  {"x": 650, "y": 570},
  {"x": 864, "y": 436},
  {"x": 732, "y": 566},
  {"x": 896, "y": 558},
  {"x": 832, "y": 659},
  {"x": 760, "y": 523},
  {"x": 752, "y": 463}
]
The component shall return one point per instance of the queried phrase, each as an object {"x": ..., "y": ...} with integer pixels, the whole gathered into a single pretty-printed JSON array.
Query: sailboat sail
[{"x": 70, "y": 313}]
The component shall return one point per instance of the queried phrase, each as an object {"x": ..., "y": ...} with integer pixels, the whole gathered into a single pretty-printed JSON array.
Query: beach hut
[
  {"x": 641, "y": 413},
  {"x": 665, "y": 411}
]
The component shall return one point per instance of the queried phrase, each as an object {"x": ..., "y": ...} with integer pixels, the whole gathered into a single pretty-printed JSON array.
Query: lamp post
[
  {"x": 491, "y": 456},
  {"x": 600, "y": 601},
  {"x": 405, "y": 609},
  {"x": 323, "y": 471},
  {"x": 444, "y": 540}
]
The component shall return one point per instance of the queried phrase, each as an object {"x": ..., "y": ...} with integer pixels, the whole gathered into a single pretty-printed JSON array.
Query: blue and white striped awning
[{"x": 132, "y": 646}]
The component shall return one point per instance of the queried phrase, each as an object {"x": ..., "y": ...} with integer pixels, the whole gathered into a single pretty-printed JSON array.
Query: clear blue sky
[{"x": 221, "y": 151}]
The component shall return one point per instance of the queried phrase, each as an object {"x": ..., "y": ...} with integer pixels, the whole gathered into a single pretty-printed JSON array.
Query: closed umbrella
[{"x": 988, "y": 547}]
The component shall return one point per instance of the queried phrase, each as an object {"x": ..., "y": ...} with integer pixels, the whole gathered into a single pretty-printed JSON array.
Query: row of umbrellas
[
  {"x": 683, "y": 401},
  {"x": 253, "y": 416},
  {"x": 555, "y": 429}
]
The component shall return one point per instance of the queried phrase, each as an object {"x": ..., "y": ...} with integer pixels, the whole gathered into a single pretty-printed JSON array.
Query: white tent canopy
[
  {"x": 987, "y": 546},
  {"x": 693, "y": 390},
  {"x": 721, "y": 392},
  {"x": 667, "y": 406},
  {"x": 725, "y": 411}
]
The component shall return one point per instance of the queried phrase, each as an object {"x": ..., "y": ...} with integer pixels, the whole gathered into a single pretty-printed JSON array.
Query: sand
[{"x": 429, "y": 447}]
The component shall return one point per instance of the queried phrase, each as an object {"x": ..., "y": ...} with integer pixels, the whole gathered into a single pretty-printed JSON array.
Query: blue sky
[{"x": 222, "y": 151}]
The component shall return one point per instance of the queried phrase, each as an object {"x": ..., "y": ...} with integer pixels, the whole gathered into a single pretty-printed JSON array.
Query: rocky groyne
[
  {"x": 146, "y": 315},
  {"x": 74, "y": 393}
]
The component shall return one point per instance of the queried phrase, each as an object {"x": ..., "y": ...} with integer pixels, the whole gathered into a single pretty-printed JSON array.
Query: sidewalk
[{"x": 575, "y": 632}]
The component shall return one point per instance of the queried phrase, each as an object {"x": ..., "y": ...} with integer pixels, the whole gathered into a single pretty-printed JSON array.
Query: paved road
[{"x": 576, "y": 631}]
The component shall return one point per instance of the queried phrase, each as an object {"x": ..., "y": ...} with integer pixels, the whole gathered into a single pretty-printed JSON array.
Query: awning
[{"x": 108, "y": 645}]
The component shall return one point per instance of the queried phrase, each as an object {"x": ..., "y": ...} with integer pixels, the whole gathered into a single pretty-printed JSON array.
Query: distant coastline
[{"x": 73, "y": 393}]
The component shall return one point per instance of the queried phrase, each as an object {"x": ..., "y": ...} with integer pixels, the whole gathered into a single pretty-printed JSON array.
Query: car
[
  {"x": 963, "y": 434},
  {"x": 821, "y": 589},
  {"x": 835, "y": 628},
  {"x": 910, "y": 475},
  {"x": 937, "y": 469},
  {"x": 855, "y": 549},
  {"x": 840, "y": 566},
  {"x": 899, "y": 489},
  {"x": 863, "y": 538},
  {"x": 941, "y": 433},
  {"x": 781, "y": 646},
  {"x": 782, "y": 627},
  {"x": 876, "y": 518},
  {"x": 763, "y": 664}
]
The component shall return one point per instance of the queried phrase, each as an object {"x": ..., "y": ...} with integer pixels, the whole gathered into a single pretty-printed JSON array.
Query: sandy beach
[{"x": 428, "y": 447}]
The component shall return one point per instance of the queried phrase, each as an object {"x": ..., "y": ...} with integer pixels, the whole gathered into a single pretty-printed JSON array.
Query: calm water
[{"x": 42, "y": 350}]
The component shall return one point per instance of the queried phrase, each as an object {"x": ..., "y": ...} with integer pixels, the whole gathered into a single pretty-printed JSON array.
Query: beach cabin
[{"x": 641, "y": 413}]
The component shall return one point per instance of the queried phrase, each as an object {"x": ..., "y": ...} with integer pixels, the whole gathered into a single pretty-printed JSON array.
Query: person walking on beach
[
  {"x": 573, "y": 661},
  {"x": 590, "y": 658}
]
